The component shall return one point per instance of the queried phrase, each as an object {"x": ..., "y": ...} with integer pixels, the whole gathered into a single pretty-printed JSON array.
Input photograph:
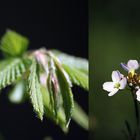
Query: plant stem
[
  {"x": 137, "y": 134},
  {"x": 136, "y": 109}
]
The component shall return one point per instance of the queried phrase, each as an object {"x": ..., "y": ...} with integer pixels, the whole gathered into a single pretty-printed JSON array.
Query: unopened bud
[
  {"x": 130, "y": 84},
  {"x": 137, "y": 87},
  {"x": 42, "y": 59}
]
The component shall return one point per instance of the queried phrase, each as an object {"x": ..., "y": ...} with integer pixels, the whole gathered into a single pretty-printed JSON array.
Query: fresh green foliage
[
  {"x": 77, "y": 77},
  {"x": 65, "y": 89},
  {"x": 76, "y": 67},
  {"x": 11, "y": 70},
  {"x": 53, "y": 87},
  {"x": 60, "y": 118},
  {"x": 13, "y": 44},
  {"x": 35, "y": 90},
  {"x": 51, "y": 94},
  {"x": 80, "y": 64}
]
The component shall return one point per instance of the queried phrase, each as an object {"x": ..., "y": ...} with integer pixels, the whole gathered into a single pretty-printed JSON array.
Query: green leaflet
[
  {"x": 78, "y": 63},
  {"x": 65, "y": 90},
  {"x": 76, "y": 67},
  {"x": 49, "y": 87},
  {"x": 60, "y": 118},
  {"x": 59, "y": 106},
  {"x": 77, "y": 77},
  {"x": 13, "y": 44},
  {"x": 53, "y": 87},
  {"x": 80, "y": 116},
  {"x": 10, "y": 71},
  {"x": 35, "y": 90},
  {"x": 54, "y": 94}
]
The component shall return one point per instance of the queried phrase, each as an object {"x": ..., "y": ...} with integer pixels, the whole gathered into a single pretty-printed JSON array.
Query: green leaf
[
  {"x": 80, "y": 116},
  {"x": 78, "y": 63},
  {"x": 10, "y": 71},
  {"x": 65, "y": 90},
  {"x": 76, "y": 67},
  {"x": 53, "y": 94},
  {"x": 60, "y": 118},
  {"x": 77, "y": 77},
  {"x": 35, "y": 90},
  {"x": 17, "y": 95},
  {"x": 13, "y": 44},
  {"x": 53, "y": 87}
]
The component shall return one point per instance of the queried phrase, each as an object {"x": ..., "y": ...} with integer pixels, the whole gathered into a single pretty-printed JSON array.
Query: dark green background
[{"x": 114, "y": 37}]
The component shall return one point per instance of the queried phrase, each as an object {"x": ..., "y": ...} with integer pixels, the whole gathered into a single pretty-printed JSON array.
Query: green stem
[
  {"x": 136, "y": 109},
  {"x": 137, "y": 115}
]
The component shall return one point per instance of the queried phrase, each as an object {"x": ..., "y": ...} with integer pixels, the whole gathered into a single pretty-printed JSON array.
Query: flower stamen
[{"x": 117, "y": 85}]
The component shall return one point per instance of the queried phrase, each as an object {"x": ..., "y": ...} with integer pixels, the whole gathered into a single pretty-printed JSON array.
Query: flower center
[
  {"x": 117, "y": 85},
  {"x": 132, "y": 72},
  {"x": 133, "y": 79}
]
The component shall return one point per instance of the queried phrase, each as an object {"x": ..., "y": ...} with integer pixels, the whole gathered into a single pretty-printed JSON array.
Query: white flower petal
[
  {"x": 123, "y": 83},
  {"x": 113, "y": 92},
  {"x": 116, "y": 76},
  {"x": 133, "y": 64},
  {"x": 138, "y": 98},
  {"x": 138, "y": 95},
  {"x": 108, "y": 86},
  {"x": 124, "y": 66},
  {"x": 122, "y": 76}
]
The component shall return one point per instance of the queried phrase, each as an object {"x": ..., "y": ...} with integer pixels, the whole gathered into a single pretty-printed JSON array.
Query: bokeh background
[
  {"x": 114, "y": 37},
  {"x": 54, "y": 24}
]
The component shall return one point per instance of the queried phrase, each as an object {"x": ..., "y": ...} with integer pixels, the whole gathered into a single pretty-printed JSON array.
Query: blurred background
[
  {"x": 54, "y": 24},
  {"x": 114, "y": 37}
]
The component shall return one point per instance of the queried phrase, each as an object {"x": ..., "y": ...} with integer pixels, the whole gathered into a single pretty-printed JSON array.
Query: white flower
[
  {"x": 138, "y": 95},
  {"x": 118, "y": 82},
  {"x": 131, "y": 66}
]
